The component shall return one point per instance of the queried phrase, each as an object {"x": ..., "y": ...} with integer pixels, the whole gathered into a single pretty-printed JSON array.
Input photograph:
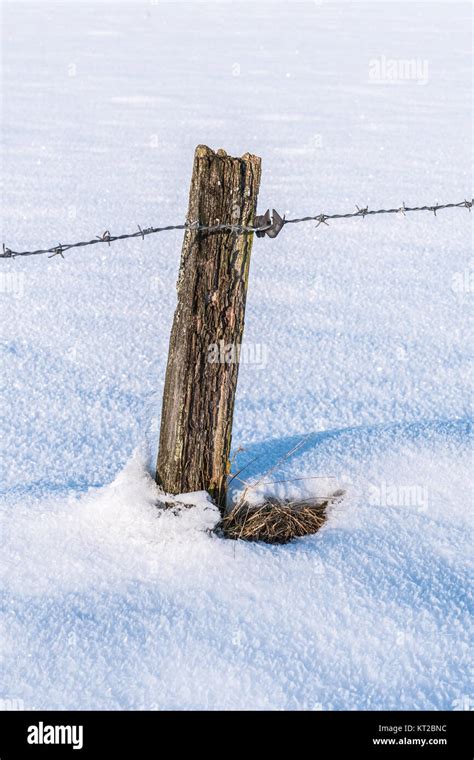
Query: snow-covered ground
[{"x": 363, "y": 327}]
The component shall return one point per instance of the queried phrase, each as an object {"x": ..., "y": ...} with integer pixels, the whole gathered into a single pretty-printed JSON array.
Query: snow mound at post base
[{"x": 110, "y": 603}]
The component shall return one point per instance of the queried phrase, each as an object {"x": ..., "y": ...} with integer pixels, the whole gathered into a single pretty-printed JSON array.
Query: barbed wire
[
  {"x": 272, "y": 229},
  {"x": 106, "y": 237},
  {"x": 365, "y": 211}
]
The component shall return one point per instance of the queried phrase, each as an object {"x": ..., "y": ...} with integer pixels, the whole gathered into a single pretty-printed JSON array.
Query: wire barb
[
  {"x": 58, "y": 251},
  {"x": 105, "y": 237},
  {"x": 321, "y": 219}
]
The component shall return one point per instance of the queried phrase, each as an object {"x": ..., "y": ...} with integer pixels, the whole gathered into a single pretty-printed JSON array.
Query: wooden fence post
[{"x": 201, "y": 375}]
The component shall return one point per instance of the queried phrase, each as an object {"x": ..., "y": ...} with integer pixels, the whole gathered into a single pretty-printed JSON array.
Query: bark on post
[{"x": 198, "y": 399}]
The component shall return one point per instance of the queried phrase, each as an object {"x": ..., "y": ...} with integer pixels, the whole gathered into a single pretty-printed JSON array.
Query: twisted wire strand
[{"x": 106, "y": 237}]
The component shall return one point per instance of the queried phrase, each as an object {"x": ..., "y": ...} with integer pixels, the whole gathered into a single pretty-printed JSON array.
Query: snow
[{"x": 109, "y": 603}]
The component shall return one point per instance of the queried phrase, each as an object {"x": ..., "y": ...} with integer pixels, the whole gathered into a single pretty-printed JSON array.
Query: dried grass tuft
[{"x": 276, "y": 521}]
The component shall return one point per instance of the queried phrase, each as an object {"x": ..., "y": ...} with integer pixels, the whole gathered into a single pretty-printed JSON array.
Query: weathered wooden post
[{"x": 200, "y": 384}]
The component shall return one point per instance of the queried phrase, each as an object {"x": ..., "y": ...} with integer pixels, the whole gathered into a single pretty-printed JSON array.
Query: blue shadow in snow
[{"x": 258, "y": 458}]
